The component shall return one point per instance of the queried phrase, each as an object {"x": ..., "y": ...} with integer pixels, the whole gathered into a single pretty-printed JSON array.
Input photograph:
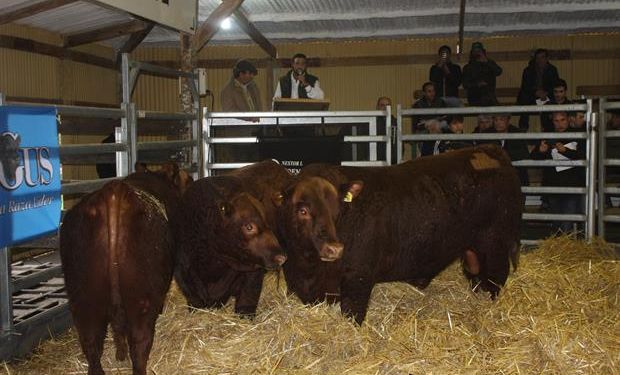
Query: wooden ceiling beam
[
  {"x": 31, "y": 10},
  {"x": 212, "y": 24},
  {"x": 253, "y": 32},
  {"x": 135, "y": 39},
  {"x": 104, "y": 33}
]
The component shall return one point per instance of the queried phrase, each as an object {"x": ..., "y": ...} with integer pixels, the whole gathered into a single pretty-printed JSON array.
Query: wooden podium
[{"x": 287, "y": 104}]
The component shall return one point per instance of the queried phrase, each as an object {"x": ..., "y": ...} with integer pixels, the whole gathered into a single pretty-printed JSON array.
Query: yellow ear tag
[{"x": 348, "y": 197}]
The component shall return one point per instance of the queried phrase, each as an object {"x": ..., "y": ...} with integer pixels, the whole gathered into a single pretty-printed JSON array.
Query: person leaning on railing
[{"x": 564, "y": 176}]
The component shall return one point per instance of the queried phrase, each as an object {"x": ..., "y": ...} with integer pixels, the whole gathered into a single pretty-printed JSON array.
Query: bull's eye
[
  {"x": 250, "y": 228},
  {"x": 302, "y": 211}
]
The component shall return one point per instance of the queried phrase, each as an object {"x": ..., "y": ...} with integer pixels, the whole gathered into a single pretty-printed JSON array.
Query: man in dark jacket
[
  {"x": 479, "y": 77},
  {"x": 447, "y": 77},
  {"x": 515, "y": 148},
  {"x": 562, "y": 176},
  {"x": 537, "y": 83}
]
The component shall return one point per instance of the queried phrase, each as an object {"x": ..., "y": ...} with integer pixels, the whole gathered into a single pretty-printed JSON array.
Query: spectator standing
[
  {"x": 537, "y": 83},
  {"x": 564, "y": 149},
  {"x": 479, "y": 77},
  {"x": 447, "y": 77},
  {"x": 297, "y": 83}
]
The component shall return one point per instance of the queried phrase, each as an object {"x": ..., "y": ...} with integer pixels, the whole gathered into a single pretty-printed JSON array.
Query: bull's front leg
[
  {"x": 354, "y": 296},
  {"x": 248, "y": 293}
]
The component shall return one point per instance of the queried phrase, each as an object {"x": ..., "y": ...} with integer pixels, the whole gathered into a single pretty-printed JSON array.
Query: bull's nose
[
  {"x": 332, "y": 251},
  {"x": 279, "y": 259}
]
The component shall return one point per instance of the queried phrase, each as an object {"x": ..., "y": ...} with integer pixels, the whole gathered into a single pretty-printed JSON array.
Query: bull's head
[
  {"x": 248, "y": 238},
  {"x": 9, "y": 154},
  {"x": 172, "y": 173},
  {"x": 311, "y": 208}
]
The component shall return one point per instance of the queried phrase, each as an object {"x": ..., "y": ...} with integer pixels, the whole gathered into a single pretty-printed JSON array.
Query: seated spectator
[
  {"x": 564, "y": 149},
  {"x": 484, "y": 122},
  {"x": 577, "y": 122},
  {"x": 433, "y": 126},
  {"x": 537, "y": 83},
  {"x": 479, "y": 77},
  {"x": 428, "y": 100},
  {"x": 455, "y": 126},
  {"x": 560, "y": 90},
  {"x": 447, "y": 77},
  {"x": 515, "y": 148}
]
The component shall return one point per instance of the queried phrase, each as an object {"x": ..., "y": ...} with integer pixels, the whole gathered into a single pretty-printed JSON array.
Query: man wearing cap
[
  {"x": 479, "y": 77},
  {"x": 241, "y": 93},
  {"x": 447, "y": 77}
]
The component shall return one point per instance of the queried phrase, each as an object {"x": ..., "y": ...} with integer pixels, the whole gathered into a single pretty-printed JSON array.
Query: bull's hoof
[{"x": 246, "y": 312}]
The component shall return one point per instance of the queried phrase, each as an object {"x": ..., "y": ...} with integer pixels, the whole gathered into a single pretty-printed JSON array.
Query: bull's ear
[
  {"x": 277, "y": 198},
  {"x": 170, "y": 170},
  {"x": 182, "y": 180},
  {"x": 140, "y": 168},
  {"x": 352, "y": 190}
]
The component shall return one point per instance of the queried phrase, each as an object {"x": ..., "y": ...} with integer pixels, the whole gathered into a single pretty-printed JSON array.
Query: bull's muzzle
[
  {"x": 331, "y": 251},
  {"x": 279, "y": 259}
]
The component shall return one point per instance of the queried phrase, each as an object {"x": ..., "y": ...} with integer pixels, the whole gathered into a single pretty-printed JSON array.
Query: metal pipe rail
[
  {"x": 166, "y": 116},
  {"x": 91, "y": 148},
  {"x": 166, "y": 145},
  {"x": 605, "y": 135},
  {"x": 495, "y": 110}
]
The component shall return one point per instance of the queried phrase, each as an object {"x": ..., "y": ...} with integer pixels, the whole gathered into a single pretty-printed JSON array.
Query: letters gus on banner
[{"x": 29, "y": 174}]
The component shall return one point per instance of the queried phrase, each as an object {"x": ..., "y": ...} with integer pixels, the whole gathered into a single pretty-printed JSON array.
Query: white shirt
[{"x": 313, "y": 92}]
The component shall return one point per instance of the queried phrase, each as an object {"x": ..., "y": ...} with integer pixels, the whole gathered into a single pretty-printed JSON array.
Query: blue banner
[{"x": 29, "y": 174}]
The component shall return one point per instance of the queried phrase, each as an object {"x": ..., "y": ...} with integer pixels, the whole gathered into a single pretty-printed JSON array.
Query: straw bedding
[{"x": 558, "y": 314}]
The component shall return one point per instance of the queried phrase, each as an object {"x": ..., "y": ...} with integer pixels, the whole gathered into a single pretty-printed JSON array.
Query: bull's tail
[
  {"x": 514, "y": 255},
  {"x": 117, "y": 312}
]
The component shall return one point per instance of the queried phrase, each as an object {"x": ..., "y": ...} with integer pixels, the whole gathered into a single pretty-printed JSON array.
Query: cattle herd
[{"x": 335, "y": 231}]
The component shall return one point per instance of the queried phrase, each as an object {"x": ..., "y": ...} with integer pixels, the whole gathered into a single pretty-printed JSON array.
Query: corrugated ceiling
[{"x": 297, "y": 20}]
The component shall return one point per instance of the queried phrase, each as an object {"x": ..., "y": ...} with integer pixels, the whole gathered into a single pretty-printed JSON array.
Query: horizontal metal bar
[
  {"x": 611, "y": 218},
  {"x": 612, "y": 162},
  {"x": 612, "y": 134},
  {"x": 554, "y": 217},
  {"x": 376, "y": 163},
  {"x": 166, "y": 145},
  {"x": 166, "y": 116},
  {"x": 78, "y": 111},
  {"x": 226, "y": 165},
  {"x": 612, "y": 190},
  {"x": 496, "y": 109},
  {"x": 91, "y": 148},
  {"x": 530, "y": 242},
  {"x": 550, "y": 163},
  {"x": 85, "y": 186},
  {"x": 493, "y": 136},
  {"x": 612, "y": 105},
  {"x": 295, "y": 114},
  {"x": 366, "y": 138},
  {"x": 552, "y": 190},
  {"x": 229, "y": 140},
  {"x": 161, "y": 70},
  {"x": 36, "y": 278}
]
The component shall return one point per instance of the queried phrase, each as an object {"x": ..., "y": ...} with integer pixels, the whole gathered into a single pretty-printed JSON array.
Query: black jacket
[
  {"x": 286, "y": 86},
  {"x": 475, "y": 72},
  {"x": 452, "y": 81},
  {"x": 527, "y": 93},
  {"x": 574, "y": 176}
]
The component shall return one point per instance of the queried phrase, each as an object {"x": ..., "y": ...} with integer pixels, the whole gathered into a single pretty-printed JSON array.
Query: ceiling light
[{"x": 226, "y": 24}]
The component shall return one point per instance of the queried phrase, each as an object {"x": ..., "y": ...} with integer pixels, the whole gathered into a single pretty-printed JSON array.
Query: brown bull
[
  {"x": 117, "y": 253},
  {"x": 401, "y": 223}
]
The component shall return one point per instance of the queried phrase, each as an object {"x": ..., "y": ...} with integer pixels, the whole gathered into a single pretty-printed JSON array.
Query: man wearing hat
[
  {"x": 479, "y": 77},
  {"x": 241, "y": 93}
]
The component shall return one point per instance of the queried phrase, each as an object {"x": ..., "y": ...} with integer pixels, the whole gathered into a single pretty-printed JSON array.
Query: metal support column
[
  {"x": 388, "y": 133},
  {"x": 1, "y": 98},
  {"x": 602, "y": 177},
  {"x": 399, "y": 134},
  {"x": 197, "y": 152},
  {"x": 205, "y": 145},
  {"x": 591, "y": 178},
  {"x": 6, "y": 292}
]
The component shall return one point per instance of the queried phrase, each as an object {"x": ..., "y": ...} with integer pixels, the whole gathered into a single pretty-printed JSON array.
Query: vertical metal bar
[
  {"x": 6, "y": 292},
  {"x": 602, "y": 155},
  {"x": 132, "y": 134},
  {"x": 125, "y": 160},
  {"x": 372, "y": 130},
  {"x": 197, "y": 155},
  {"x": 121, "y": 156},
  {"x": 1, "y": 98},
  {"x": 399, "y": 133},
  {"x": 125, "y": 78},
  {"x": 206, "y": 135},
  {"x": 591, "y": 170},
  {"x": 388, "y": 133},
  {"x": 354, "y": 145},
  {"x": 459, "y": 47}
]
